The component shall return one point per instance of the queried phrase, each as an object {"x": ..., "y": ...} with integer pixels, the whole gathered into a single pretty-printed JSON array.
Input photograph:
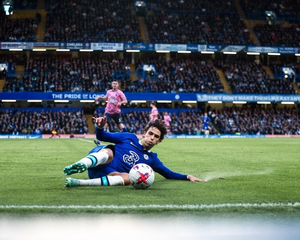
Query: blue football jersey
[
  {"x": 129, "y": 151},
  {"x": 206, "y": 120}
]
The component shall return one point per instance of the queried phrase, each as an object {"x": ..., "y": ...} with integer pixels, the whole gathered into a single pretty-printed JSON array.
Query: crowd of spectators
[
  {"x": 56, "y": 74},
  {"x": 91, "y": 21},
  {"x": 278, "y": 35},
  {"x": 24, "y": 121},
  {"x": 257, "y": 121},
  {"x": 195, "y": 22},
  {"x": 20, "y": 29},
  {"x": 94, "y": 74},
  {"x": 177, "y": 76},
  {"x": 204, "y": 6},
  {"x": 185, "y": 21},
  {"x": 287, "y": 9},
  {"x": 228, "y": 120},
  {"x": 12, "y": 60},
  {"x": 277, "y": 66},
  {"x": 184, "y": 121},
  {"x": 250, "y": 77},
  {"x": 25, "y": 4},
  {"x": 45, "y": 73}
]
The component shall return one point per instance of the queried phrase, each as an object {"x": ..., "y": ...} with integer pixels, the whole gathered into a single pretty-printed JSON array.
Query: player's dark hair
[{"x": 159, "y": 125}]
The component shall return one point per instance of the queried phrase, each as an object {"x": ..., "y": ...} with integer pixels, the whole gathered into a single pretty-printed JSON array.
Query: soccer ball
[{"x": 141, "y": 176}]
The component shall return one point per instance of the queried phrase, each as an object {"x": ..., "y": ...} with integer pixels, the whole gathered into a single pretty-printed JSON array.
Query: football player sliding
[{"x": 109, "y": 165}]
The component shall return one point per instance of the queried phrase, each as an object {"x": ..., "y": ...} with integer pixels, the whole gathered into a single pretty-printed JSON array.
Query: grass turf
[{"x": 239, "y": 171}]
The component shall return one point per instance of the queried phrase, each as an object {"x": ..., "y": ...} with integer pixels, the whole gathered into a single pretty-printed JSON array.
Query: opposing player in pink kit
[
  {"x": 154, "y": 112},
  {"x": 166, "y": 121},
  {"x": 115, "y": 98}
]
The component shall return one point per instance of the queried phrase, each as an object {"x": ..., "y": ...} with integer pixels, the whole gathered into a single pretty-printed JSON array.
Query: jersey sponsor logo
[
  {"x": 132, "y": 158},
  {"x": 113, "y": 100}
]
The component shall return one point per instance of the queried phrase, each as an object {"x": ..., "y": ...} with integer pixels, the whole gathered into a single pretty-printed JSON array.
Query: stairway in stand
[
  {"x": 143, "y": 30},
  {"x": 269, "y": 72},
  {"x": 132, "y": 71},
  {"x": 41, "y": 27},
  {"x": 2, "y": 83},
  {"x": 296, "y": 88},
  {"x": 90, "y": 123},
  {"x": 20, "y": 70},
  {"x": 223, "y": 79},
  {"x": 247, "y": 22}
]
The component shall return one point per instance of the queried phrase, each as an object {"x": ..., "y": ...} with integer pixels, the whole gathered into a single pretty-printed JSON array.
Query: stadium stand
[
  {"x": 178, "y": 75},
  {"x": 251, "y": 77},
  {"x": 42, "y": 121},
  {"x": 180, "y": 22},
  {"x": 164, "y": 22},
  {"x": 257, "y": 121},
  {"x": 228, "y": 120},
  {"x": 278, "y": 35},
  {"x": 17, "y": 29},
  {"x": 77, "y": 74},
  {"x": 90, "y": 21},
  {"x": 284, "y": 10}
]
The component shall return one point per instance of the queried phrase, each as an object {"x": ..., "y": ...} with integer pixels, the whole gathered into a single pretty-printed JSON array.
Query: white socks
[
  {"x": 104, "y": 181},
  {"x": 95, "y": 159}
]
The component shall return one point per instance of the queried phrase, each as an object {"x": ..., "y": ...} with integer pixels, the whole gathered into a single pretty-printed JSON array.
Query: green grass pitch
[{"x": 238, "y": 172}]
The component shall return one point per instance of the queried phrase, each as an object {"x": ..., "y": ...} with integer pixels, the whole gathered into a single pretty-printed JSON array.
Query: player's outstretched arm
[
  {"x": 102, "y": 98},
  {"x": 194, "y": 179}
]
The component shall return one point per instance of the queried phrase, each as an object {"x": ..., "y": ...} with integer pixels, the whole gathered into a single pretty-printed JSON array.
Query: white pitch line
[
  {"x": 216, "y": 175},
  {"x": 84, "y": 140},
  {"x": 154, "y": 206}
]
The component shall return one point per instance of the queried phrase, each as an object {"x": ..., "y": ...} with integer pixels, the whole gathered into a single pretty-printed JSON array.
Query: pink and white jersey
[
  {"x": 167, "y": 120},
  {"x": 113, "y": 98},
  {"x": 154, "y": 110}
]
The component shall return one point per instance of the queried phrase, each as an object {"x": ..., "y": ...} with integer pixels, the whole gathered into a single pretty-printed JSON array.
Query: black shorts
[{"x": 116, "y": 117}]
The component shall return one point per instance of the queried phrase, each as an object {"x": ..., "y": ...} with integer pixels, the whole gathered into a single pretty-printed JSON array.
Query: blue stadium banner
[
  {"x": 263, "y": 49},
  {"x": 209, "y": 48},
  {"x": 148, "y": 47},
  {"x": 192, "y": 47},
  {"x": 73, "y": 96},
  {"x": 75, "y": 45},
  {"x": 283, "y": 50},
  {"x": 289, "y": 50},
  {"x": 233, "y": 48},
  {"x": 139, "y": 46},
  {"x": 46, "y": 45},
  {"x": 14, "y": 45},
  {"x": 107, "y": 46},
  {"x": 217, "y": 136},
  {"x": 48, "y": 96},
  {"x": 248, "y": 97},
  {"x": 171, "y": 47},
  {"x": 10, "y": 136}
]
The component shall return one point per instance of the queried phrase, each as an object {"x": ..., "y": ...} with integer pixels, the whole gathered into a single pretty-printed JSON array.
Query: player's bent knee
[{"x": 109, "y": 152}]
